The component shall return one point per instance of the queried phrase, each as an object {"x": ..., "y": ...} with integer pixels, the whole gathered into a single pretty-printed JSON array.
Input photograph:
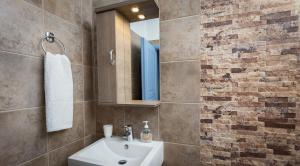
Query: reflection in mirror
[
  {"x": 128, "y": 52},
  {"x": 145, "y": 59}
]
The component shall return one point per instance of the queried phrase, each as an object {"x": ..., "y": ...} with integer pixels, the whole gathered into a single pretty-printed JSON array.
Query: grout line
[
  {"x": 20, "y": 109},
  {"x": 81, "y": 30},
  {"x": 182, "y": 144},
  {"x": 25, "y": 162},
  {"x": 83, "y": 68},
  {"x": 20, "y": 54},
  {"x": 180, "y": 61},
  {"x": 32, "y": 5},
  {"x": 179, "y": 18},
  {"x": 166, "y": 102},
  {"x": 65, "y": 145},
  {"x": 158, "y": 122},
  {"x": 84, "y": 123},
  {"x": 47, "y": 135},
  {"x": 62, "y": 19},
  {"x": 28, "y": 108}
]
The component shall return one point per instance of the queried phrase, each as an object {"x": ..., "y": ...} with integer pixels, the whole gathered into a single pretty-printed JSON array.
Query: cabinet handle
[{"x": 111, "y": 57}]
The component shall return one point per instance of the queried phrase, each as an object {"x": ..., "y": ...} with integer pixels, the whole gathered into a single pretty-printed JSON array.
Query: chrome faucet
[{"x": 128, "y": 134}]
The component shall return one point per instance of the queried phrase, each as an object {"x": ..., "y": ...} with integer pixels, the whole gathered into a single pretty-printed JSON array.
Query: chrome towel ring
[{"x": 49, "y": 37}]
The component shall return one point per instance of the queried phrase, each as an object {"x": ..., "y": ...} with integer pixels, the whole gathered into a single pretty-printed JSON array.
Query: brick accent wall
[{"x": 250, "y": 62}]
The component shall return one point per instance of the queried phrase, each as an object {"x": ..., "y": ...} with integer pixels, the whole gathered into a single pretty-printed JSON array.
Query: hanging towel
[{"x": 58, "y": 92}]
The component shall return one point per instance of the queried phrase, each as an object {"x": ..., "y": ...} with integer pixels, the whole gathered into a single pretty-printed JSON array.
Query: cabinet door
[{"x": 106, "y": 44}]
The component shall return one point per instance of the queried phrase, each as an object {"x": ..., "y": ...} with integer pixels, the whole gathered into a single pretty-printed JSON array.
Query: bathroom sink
[{"x": 116, "y": 152}]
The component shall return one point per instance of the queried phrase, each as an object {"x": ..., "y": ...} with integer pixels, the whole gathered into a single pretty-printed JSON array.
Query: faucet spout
[{"x": 128, "y": 133}]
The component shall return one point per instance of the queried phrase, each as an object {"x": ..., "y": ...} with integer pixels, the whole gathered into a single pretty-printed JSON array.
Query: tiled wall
[
  {"x": 120, "y": 116},
  {"x": 23, "y": 136},
  {"x": 230, "y": 82}
]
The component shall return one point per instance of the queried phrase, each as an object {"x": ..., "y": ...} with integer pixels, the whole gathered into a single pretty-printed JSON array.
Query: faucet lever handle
[{"x": 126, "y": 127}]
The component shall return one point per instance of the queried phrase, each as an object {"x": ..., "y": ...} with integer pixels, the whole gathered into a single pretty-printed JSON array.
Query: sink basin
[{"x": 116, "y": 152}]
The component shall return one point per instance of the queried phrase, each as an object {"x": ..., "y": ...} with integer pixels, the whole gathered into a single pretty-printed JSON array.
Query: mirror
[
  {"x": 145, "y": 59},
  {"x": 128, "y": 36}
]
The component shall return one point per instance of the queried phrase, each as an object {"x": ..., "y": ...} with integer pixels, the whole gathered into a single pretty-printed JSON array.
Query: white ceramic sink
[{"x": 109, "y": 152}]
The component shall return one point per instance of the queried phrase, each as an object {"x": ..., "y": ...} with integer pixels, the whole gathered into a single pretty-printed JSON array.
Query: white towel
[{"x": 58, "y": 92}]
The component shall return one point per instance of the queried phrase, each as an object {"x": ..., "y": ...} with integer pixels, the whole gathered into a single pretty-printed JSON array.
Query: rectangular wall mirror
[{"x": 128, "y": 52}]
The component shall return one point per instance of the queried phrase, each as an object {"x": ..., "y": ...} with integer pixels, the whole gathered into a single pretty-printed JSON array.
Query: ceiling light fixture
[
  {"x": 135, "y": 9},
  {"x": 141, "y": 16}
]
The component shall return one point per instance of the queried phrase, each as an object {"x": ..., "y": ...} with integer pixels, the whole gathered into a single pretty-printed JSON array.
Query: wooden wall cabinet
[{"x": 114, "y": 58}]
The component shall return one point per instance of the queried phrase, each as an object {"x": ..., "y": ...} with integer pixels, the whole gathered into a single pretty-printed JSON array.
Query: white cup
[{"x": 108, "y": 129}]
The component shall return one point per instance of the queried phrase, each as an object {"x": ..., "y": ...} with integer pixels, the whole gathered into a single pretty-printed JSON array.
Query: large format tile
[
  {"x": 87, "y": 14},
  {"x": 95, "y": 83},
  {"x": 69, "y": 34},
  {"x": 90, "y": 139},
  {"x": 181, "y": 155},
  {"x": 37, "y": 3},
  {"x": 60, "y": 156},
  {"x": 88, "y": 83},
  {"x": 89, "y": 118},
  {"x": 179, "y": 123},
  {"x": 78, "y": 82},
  {"x": 136, "y": 116},
  {"x": 180, "y": 39},
  {"x": 110, "y": 115},
  {"x": 40, "y": 161},
  {"x": 180, "y": 82},
  {"x": 21, "y": 82},
  {"x": 171, "y": 9},
  {"x": 87, "y": 52},
  {"x": 69, "y": 10},
  {"x": 21, "y": 27},
  {"x": 60, "y": 138},
  {"x": 87, "y": 23},
  {"x": 23, "y": 136}
]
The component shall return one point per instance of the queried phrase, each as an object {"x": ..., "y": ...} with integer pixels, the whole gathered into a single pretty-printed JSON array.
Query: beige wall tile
[
  {"x": 69, "y": 34},
  {"x": 40, "y": 161},
  {"x": 95, "y": 84},
  {"x": 90, "y": 139},
  {"x": 89, "y": 118},
  {"x": 87, "y": 14},
  {"x": 69, "y": 10},
  {"x": 37, "y": 3},
  {"x": 23, "y": 135},
  {"x": 60, "y": 138},
  {"x": 181, "y": 155},
  {"x": 87, "y": 28},
  {"x": 170, "y": 9},
  {"x": 78, "y": 82},
  {"x": 110, "y": 115},
  {"x": 21, "y": 82},
  {"x": 21, "y": 27},
  {"x": 136, "y": 116},
  {"x": 179, "y": 123},
  {"x": 180, "y": 82},
  {"x": 180, "y": 39},
  {"x": 60, "y": 156},
  {"x": 87, "y": 52},
  {"x": 88, "y": 83}
]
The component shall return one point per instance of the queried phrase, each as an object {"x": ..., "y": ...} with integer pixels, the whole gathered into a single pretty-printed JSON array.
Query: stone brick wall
[
  {"x": 238, "y": 62},
  {"x": 250, "y": 54}
]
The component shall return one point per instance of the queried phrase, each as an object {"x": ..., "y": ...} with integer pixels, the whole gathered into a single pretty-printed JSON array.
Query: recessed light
[
  {"x": 135, "y": 9},
  {"x": 141, "y": 16}
]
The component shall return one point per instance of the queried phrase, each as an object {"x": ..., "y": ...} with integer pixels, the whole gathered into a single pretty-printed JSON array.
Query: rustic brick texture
[{"x": 250, "y": 62}]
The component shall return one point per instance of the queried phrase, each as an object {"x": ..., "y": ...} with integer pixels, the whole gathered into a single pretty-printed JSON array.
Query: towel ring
[{"x": 49, "y": 37}]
